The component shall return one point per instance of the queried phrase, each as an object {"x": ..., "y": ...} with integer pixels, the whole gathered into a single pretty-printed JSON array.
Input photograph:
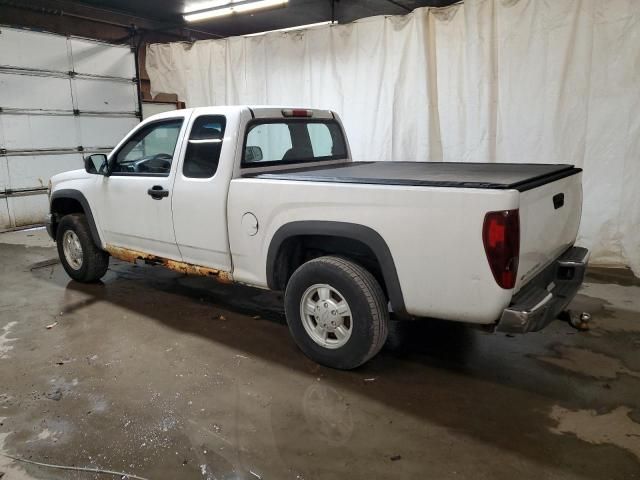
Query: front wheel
[
  {"x": 82, "y": 259},
  {"x": 337, "y": 312}
]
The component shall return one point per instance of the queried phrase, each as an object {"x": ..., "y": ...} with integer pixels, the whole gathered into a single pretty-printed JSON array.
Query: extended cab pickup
[{"x": 270, "y": 197}]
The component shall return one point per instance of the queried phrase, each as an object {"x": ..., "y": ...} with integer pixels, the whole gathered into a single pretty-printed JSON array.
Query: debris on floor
[
  {"x": 45, "y": 263},
  {"x": 54, "y": 395}
]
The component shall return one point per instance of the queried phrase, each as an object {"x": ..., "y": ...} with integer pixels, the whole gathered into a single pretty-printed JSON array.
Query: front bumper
[
  {"x": 546, "y": 295},
  {"x": 48, "y": 223}
]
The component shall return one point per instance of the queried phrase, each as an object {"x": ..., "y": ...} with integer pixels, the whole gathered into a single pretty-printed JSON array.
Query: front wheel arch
[
  {"x": 67, "y": 201},
  {"x": 89, "y": 262}
]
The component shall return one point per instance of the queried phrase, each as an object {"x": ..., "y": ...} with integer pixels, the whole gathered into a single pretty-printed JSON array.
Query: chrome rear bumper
[{"x": 546, "y": 295}]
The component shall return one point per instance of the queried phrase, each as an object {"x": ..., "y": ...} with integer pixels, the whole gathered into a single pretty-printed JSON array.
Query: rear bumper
[{"x": 548, "y": 294}]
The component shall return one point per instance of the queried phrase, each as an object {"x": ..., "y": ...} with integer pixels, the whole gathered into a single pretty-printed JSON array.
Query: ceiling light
[
  {"x": 199, "y": 6},
  {"x": 231, "y": 7},
  {"x": 288, "y": 29}
]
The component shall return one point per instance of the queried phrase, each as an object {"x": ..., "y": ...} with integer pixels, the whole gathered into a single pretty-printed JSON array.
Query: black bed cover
[{"x": 518, "y": 176}]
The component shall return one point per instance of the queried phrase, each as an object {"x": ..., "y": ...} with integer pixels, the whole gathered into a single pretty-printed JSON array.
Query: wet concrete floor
[{"x": 172, "y": 377}]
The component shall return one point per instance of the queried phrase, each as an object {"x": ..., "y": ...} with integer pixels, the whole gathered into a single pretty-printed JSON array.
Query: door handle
[{"x": 157, "y": 192}]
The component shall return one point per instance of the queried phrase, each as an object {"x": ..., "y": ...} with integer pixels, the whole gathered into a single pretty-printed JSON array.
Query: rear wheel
[
  {"x": 337, "y": 312},
  {"x": 81, "y": 258}
]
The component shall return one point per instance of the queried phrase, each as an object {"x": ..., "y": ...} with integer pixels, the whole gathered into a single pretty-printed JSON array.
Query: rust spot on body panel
[{"x": 128, "y": 255}]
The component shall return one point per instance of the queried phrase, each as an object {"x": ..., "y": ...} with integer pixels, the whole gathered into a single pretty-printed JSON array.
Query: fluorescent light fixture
[
  {"x": 231, "y": 7},
  {"x": 199, "y": 6},
  {"x": 288, "y": 29}
]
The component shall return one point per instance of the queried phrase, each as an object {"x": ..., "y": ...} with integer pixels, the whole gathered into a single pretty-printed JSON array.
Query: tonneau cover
[{"x": 519, "y": 176}]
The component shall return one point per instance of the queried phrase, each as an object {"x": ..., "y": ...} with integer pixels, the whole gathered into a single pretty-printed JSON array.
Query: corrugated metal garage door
[{"x": 60, "y": 98}]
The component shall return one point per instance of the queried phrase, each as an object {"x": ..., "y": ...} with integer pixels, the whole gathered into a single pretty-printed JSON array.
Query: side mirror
[
  {"x": 252, "y": 154},
  {"x": 96, "y": 164}
]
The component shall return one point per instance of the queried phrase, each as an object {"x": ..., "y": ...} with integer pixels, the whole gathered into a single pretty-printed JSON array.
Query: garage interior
[{"x": 153, "y": 374}]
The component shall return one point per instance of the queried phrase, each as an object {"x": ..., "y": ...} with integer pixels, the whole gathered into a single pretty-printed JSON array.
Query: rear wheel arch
[
  {"x": 68, "y": 201},
  {"x": 285, "y": 253}
]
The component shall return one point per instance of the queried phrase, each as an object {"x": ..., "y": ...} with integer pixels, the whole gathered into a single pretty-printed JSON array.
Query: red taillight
[{"x": 501, "y": 238}]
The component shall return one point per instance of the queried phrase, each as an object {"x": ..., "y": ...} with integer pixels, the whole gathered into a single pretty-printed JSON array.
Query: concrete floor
[{"x": 169, "y": 377}]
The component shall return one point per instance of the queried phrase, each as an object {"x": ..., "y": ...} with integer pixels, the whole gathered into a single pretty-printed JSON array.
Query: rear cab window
[{"x": 272, "y": 142}]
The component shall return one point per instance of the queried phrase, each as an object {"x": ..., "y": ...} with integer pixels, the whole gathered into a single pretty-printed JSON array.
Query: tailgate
[{"x": 549, "y": 221}]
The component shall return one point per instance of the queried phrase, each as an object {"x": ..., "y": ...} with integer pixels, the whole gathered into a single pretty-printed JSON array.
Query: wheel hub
[
  {"x": 72, "y": 249},
  {"x": 326, "y": 316}
]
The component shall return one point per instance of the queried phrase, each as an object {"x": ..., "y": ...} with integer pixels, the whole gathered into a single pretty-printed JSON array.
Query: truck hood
[{"x": 71, "y": 175}]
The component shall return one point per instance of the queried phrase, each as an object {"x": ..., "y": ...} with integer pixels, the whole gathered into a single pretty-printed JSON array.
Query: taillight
[{"x": 501, "y": 238}]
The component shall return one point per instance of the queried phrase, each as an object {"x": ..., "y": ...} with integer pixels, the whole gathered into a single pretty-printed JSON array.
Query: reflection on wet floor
[{"x": 168, "y": 376}]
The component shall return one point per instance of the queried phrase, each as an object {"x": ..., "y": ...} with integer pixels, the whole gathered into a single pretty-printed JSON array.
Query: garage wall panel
[
  {"x": 28, "y": 171},
  {"x": 93, "y": 58},
  {"x": 104, "y": 132},
  {"x": 93, "y": 95},
  {"x": 34, "y": 50},
  {"x": 31, "y": 92},
  {"x": 59, "y": 97},
  {"x": 5, "y": 219},
  {"x": 27, "y": 210},
  {"x": 480, "y": 81},
  {"x": 4, "y": 174},
  {"x": 38, "y": 132}
]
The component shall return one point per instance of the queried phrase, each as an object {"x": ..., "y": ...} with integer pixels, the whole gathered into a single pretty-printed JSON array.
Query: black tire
[
  {"x": 94, "y": 260},
  {"x": 366, "y": 301}
]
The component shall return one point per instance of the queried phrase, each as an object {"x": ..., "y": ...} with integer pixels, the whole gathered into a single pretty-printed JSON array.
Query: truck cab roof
[{"x": 256, "y": 111}]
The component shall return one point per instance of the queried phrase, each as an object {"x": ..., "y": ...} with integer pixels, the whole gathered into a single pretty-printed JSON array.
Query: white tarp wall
[
  {"x": 552, "y": 81},
  {"x": 60, "y": 98}
]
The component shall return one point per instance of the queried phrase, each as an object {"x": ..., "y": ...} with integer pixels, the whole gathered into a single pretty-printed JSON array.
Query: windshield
[{"x": 275, "y": 142}]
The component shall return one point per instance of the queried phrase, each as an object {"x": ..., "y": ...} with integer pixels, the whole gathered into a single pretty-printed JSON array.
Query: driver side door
[{"x": 135, "y": 199}]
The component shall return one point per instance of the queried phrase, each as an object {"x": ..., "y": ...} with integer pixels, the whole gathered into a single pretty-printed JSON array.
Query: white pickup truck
[{"x": 270, "y": 197}]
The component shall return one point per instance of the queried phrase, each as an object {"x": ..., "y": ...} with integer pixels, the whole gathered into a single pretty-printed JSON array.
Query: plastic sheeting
[{"x": 552, "y": 81}]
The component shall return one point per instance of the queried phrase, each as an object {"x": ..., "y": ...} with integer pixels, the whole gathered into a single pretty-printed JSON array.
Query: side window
[
  {"x": 150, "y": 151},
  {"x": 203, "y": 148}
]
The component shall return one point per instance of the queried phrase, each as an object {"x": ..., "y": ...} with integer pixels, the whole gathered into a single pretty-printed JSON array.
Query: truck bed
[{"x": 518, "y": 176}]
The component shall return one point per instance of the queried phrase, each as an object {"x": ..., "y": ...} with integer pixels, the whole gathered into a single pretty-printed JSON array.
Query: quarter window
[
  {"x": 321, "y": 141},
  {"x": 204, "y": 146}
]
